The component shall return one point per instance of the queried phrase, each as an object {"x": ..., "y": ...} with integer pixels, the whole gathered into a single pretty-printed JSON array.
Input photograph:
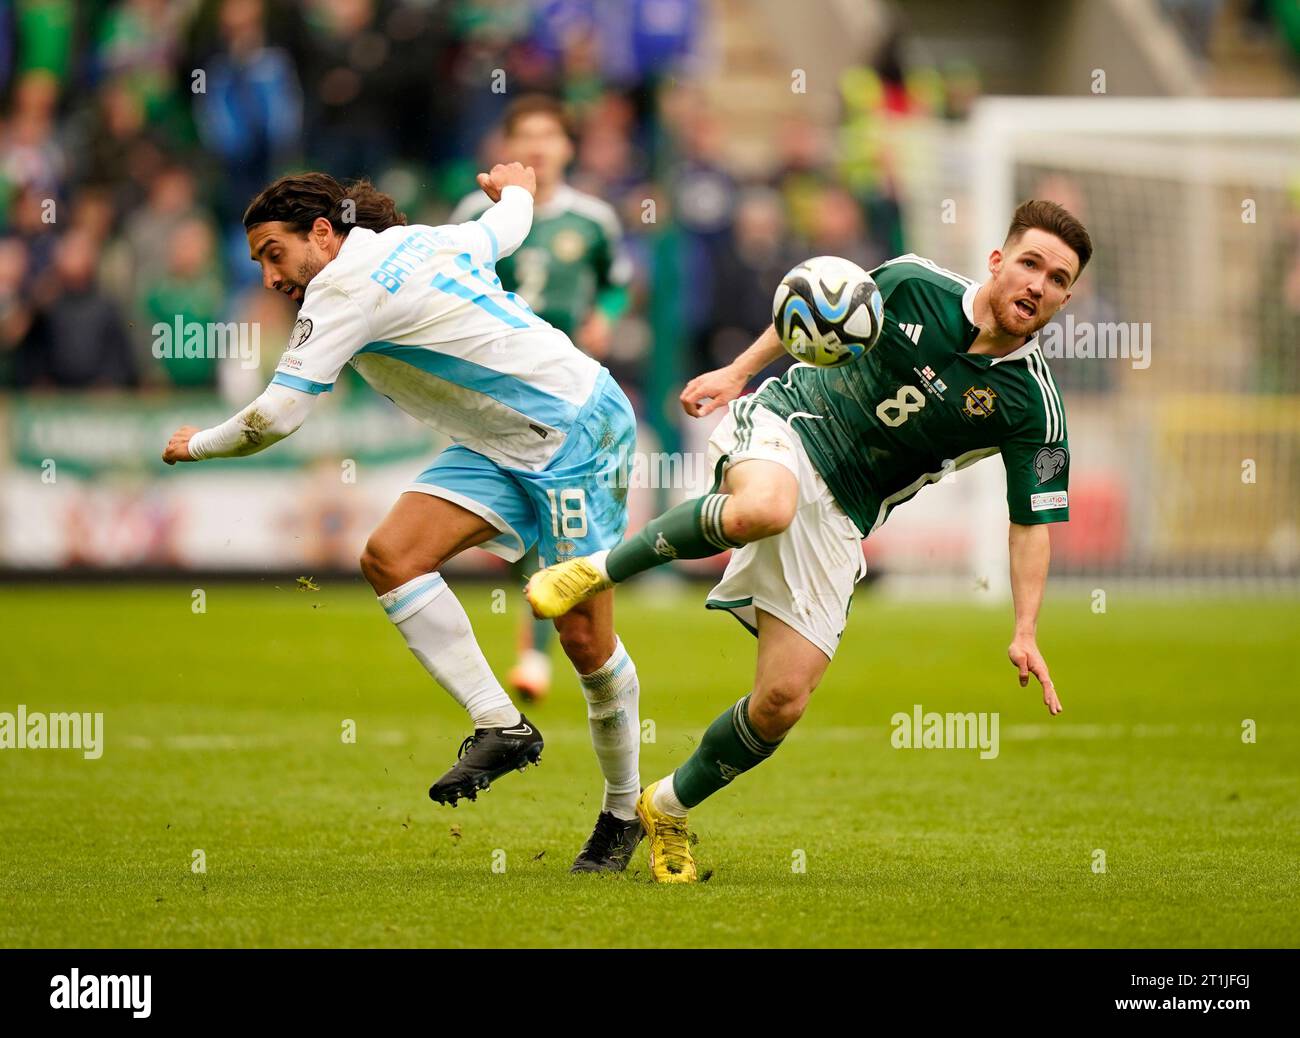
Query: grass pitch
[{"x": 223, "y": 734}]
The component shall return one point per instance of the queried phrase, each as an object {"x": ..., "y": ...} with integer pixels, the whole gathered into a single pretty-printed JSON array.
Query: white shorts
[{"x": 805, "y": 575}]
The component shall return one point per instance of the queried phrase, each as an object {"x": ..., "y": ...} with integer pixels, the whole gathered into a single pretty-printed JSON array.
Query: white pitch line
[
  {"x": 1023, "y": 732},
  {"x": 810, "y": 732},
  {"x": 245, "y": 741}
]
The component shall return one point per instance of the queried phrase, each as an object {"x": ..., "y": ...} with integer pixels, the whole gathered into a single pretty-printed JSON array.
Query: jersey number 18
[{"x": 568, "y": 513}]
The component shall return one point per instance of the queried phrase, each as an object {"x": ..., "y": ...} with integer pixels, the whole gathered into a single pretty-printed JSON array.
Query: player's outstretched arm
[
  {"x": 277, "y": 413},
  {"x": 512, "y": 187},
  {"x": 705, "y": 393},
  {"x": 1031, "y": 552}
]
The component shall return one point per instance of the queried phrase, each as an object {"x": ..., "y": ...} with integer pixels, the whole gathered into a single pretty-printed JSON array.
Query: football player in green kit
[
  {"x": 816, "y": 460},
  {"x": 572, "y": 273}
]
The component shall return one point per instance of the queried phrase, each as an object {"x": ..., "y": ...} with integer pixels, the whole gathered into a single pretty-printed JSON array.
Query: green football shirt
[
  {"x": 919, "y": 406},
  {"x": 571, "y": 261}
]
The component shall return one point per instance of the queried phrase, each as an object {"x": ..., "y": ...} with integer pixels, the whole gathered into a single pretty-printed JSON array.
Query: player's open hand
[
  {"x": 1026, "y": 658},
  {"x": 507, "y": 174},
  {"x": 178, "y": 447},
  {"x": 705, "y": 393}
]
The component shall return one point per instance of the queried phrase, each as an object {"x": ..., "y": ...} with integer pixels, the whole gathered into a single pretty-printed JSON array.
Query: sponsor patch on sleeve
[{"x": 1049, "y": 501}]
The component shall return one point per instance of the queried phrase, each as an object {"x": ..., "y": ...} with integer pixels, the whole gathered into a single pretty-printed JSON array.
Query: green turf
[{"x": 223, "y": 734}]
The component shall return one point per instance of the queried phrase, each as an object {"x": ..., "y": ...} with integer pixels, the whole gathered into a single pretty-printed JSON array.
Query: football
[{"x": 827, "y": 311}]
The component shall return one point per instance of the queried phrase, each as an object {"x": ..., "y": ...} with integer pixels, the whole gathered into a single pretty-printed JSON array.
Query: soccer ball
[{"x": 828, "y": 311}]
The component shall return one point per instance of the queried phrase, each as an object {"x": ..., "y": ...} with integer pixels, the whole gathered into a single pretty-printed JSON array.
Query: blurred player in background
[
  {"x": 420, "y": 315},
  {"x": 572, "y": 272}
]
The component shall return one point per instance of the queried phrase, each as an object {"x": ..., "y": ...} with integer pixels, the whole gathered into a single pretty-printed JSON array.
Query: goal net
[{"x": 1179, "y": 354}]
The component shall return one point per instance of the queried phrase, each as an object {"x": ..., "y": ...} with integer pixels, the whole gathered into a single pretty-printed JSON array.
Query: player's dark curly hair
[
  {"x": 302, "y": 198},
  {"x": 1054, "y": 219}
]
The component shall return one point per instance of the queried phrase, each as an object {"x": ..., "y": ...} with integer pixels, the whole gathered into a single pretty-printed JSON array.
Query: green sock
[
  {"x": 521, "y": 570},
  {"x": 543, "y": 630},
  {"x": 692, "y": 530},
  {"x": 730, "y": 747}
]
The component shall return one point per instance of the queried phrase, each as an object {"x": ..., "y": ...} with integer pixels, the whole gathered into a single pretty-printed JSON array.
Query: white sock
[
  {"x": 597, "y": 559},
  {"x": 612, "y": 695},
  {"x": 665, "y": 799},
  {"x": 436, "y": 629}
]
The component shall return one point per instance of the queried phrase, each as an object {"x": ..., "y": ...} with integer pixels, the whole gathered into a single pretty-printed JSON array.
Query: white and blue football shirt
[{"x": 421, "y": 315}]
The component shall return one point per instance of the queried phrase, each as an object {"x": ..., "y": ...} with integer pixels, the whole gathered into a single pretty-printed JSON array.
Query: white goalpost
[{"x": 1179, "y": 355}]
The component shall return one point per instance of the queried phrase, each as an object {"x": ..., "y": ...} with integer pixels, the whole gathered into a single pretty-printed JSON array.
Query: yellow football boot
[
  {"x": 670, "y": 844},
  {"x": 557, "y": 589}
]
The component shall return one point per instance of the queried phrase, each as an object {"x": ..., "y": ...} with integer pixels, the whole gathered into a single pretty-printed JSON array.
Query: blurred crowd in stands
[
  {"x": 1254, "y": 20},
  {"x": 133, "y": 134}
]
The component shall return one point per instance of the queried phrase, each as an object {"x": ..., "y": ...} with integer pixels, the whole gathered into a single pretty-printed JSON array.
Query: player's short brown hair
[
  {"x": 536, "y": 104},
  {"x": 1040, "y": 214},
  {"x": 299, "y": 199}
]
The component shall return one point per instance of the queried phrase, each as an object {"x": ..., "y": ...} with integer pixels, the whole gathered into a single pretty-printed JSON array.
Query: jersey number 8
[{"x": 894, "y": 411}]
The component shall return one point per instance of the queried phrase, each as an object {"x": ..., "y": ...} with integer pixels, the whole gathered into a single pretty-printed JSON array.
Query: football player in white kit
[{"x": 537, "y": 429}]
